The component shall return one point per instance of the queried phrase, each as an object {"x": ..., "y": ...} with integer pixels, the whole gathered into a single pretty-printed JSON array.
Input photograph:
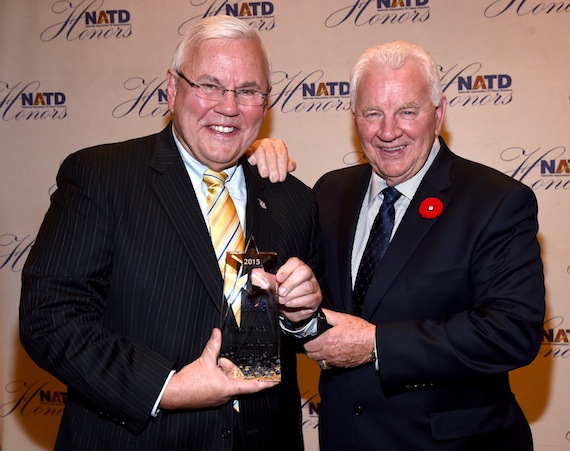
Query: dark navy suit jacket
[{"x": 458, "y": 301}]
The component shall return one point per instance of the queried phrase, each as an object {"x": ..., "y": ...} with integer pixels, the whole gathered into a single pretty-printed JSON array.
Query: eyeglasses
[{"x": 244, "y": 96}]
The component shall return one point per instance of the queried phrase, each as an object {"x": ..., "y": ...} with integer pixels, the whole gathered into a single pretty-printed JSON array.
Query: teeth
[
  {"x": 221, "y": 129},
  {"x": 393, "y": 149}
]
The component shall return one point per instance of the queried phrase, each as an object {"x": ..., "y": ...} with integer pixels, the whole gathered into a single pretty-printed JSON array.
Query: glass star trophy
[{"x": 250, "y": 315}]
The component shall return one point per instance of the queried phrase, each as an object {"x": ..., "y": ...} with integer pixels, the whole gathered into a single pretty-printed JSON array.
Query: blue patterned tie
[{"x": 375, "y": 247}]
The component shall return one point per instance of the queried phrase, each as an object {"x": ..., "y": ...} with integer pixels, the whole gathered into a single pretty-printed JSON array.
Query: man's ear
[
  {"x": 171, "y": 88},
  {"x": 440, "y": 114}
]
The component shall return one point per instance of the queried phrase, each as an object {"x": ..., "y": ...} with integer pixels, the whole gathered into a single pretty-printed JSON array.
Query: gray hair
[
  {"x": 394, "y": 55},
  {"x": 217, "y": 27}
]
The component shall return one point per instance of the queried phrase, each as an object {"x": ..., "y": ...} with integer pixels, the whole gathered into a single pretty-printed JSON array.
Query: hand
[
  {"x": 271, "y": 158},
  {"x": 299, "y": 292},
  {"x": 202, "y": 383},
  {"x": 347, "y": 344}
]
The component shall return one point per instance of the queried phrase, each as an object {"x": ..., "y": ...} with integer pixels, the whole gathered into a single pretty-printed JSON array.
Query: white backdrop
[{"x": 74, "y": 73}]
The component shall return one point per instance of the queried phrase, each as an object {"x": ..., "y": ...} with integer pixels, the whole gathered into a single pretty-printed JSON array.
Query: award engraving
[{"x": 250, "y": 315}]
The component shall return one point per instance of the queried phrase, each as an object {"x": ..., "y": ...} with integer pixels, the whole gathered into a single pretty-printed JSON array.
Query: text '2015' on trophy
[{"x": 250, "y": 315}]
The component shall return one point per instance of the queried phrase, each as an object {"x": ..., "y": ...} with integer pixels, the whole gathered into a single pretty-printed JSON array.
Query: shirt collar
[
  {"x": 195, "y": 168},
  {"x": 409, "y": 187}
]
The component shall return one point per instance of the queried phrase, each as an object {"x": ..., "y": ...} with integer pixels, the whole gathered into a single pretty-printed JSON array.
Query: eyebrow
[
  {"x": 407, "y": 106},
  {"x": 215, "y": 81}
]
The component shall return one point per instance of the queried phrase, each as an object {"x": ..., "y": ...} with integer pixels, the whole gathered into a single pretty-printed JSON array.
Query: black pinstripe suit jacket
[{"x": 122, "y": 286}]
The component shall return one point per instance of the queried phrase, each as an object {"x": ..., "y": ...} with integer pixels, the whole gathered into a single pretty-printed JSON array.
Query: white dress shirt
[
  {"x": 371, "y": 206},
  {"x": 373, "y": 200},
  {"x": 235, "y": 183}
]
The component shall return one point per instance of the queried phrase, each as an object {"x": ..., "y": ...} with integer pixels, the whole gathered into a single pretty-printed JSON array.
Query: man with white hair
[{"x": 122, "y": 292}]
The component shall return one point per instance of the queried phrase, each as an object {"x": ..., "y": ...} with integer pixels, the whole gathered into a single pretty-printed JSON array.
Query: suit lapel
[
  {"x": 258, "y": 210},
  {"x": 350, "y": 204},
  {"x": 411, "y": 231},
  {"x": 174, "y": 190}
]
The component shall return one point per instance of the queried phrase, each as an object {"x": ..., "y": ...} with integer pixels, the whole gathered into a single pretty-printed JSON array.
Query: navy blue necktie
[{"x": 375, "y": 247}]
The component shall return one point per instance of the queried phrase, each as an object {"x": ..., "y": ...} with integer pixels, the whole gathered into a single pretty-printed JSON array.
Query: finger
[
  {"x": 257, "y": 157},
  {"x": 272, "y": 159},
  {"x": 250, "y": 154},
  {"x": 301, "y": 293},
  {"x": 252, "y": 386},
  {"x": 331, "y": 316},
  {"x": 291, "y": 165},
  {"x": 299, "y": 283},
  {"x": 276, "y": 158},
  {"x": 314, "y": 347},
  {"x": 281, "y": 161},
  {"x": 264, "y": 280},
  {"x": 285, "y": 271},
  {"x": 299, "y": 315},
  {"x": 230, "y": 369}
]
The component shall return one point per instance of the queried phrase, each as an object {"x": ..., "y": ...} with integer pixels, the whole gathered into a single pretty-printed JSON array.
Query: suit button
[
  {"x": 226, "y": 434},
  {"x": 358, "y": 410}
]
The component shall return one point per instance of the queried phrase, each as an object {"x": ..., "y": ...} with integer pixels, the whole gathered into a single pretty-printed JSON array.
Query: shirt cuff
[
  {"x": 155, "y": 410},
  {"x": 308, "y": 330},
  {"x": 376, "y": 365}
]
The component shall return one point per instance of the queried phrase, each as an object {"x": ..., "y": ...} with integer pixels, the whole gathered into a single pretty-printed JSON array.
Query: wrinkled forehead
[
  {"x": 225, "y": 57},
  {"x": 392, "y": 88}
]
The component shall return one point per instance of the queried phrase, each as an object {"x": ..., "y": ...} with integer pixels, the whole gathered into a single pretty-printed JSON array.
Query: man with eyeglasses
[{"x": 122, "y": 291}]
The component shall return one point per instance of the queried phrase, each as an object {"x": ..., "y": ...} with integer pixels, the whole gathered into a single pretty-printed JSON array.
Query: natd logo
[
  {"x": 88, "y": 20},
  {"x": 380, "y": 12},
  {"x": 43, "y": 99},
  {"x": 333, "y": 89},
  {"x": 28, "y": 101},
  {"x": 307, "y": 93},
  {"x": 147, "y": 98},
  {"x": 38, "y": 398},
  {"x": 401, "y": 4},
  {"x": 493, "y": 82},
  {"x": 553, "y": 170},
  {"x": 259, "y": 15},
  {"x": 250, "y": 9},
  {"x": 475, "y": 88},
  {"x": 556, "y": 338}
]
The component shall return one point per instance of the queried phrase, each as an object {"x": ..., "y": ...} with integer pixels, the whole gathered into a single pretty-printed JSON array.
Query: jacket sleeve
[
  {"x": 497, "y": 326},
  {"x": 65, "y": 286}
]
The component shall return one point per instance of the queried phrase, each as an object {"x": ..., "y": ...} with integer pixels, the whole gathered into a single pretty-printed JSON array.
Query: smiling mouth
[
  {"x": 393, "y": 149},
  {"x": 221, "y": 129}
]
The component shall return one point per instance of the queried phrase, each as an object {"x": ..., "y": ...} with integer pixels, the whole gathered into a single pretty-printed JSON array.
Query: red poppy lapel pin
[{"x": 431, "y": 208}]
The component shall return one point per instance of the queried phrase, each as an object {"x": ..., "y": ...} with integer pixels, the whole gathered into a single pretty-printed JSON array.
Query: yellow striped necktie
[{"x": 226, "y": 233}]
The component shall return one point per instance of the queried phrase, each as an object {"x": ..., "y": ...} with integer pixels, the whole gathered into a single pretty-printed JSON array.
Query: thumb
[
  {"x": 331, "y": 316},
  {"x": 213, "y": 346}
]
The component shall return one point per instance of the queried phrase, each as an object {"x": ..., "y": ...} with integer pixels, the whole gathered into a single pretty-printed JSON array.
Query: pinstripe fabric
[{"x": 122, "y": 285}]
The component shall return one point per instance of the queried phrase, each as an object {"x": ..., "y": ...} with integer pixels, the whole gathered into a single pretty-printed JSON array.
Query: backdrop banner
[{"x": 75, "y": 73}]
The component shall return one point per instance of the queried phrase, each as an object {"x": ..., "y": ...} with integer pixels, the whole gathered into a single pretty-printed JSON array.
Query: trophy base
[{"x": 262, "y": 374}]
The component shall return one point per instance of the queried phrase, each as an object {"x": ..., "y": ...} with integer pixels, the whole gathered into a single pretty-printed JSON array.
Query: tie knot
[
  {"x": 391, "y": 195},
  {"x": 213, "y": 178}
]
